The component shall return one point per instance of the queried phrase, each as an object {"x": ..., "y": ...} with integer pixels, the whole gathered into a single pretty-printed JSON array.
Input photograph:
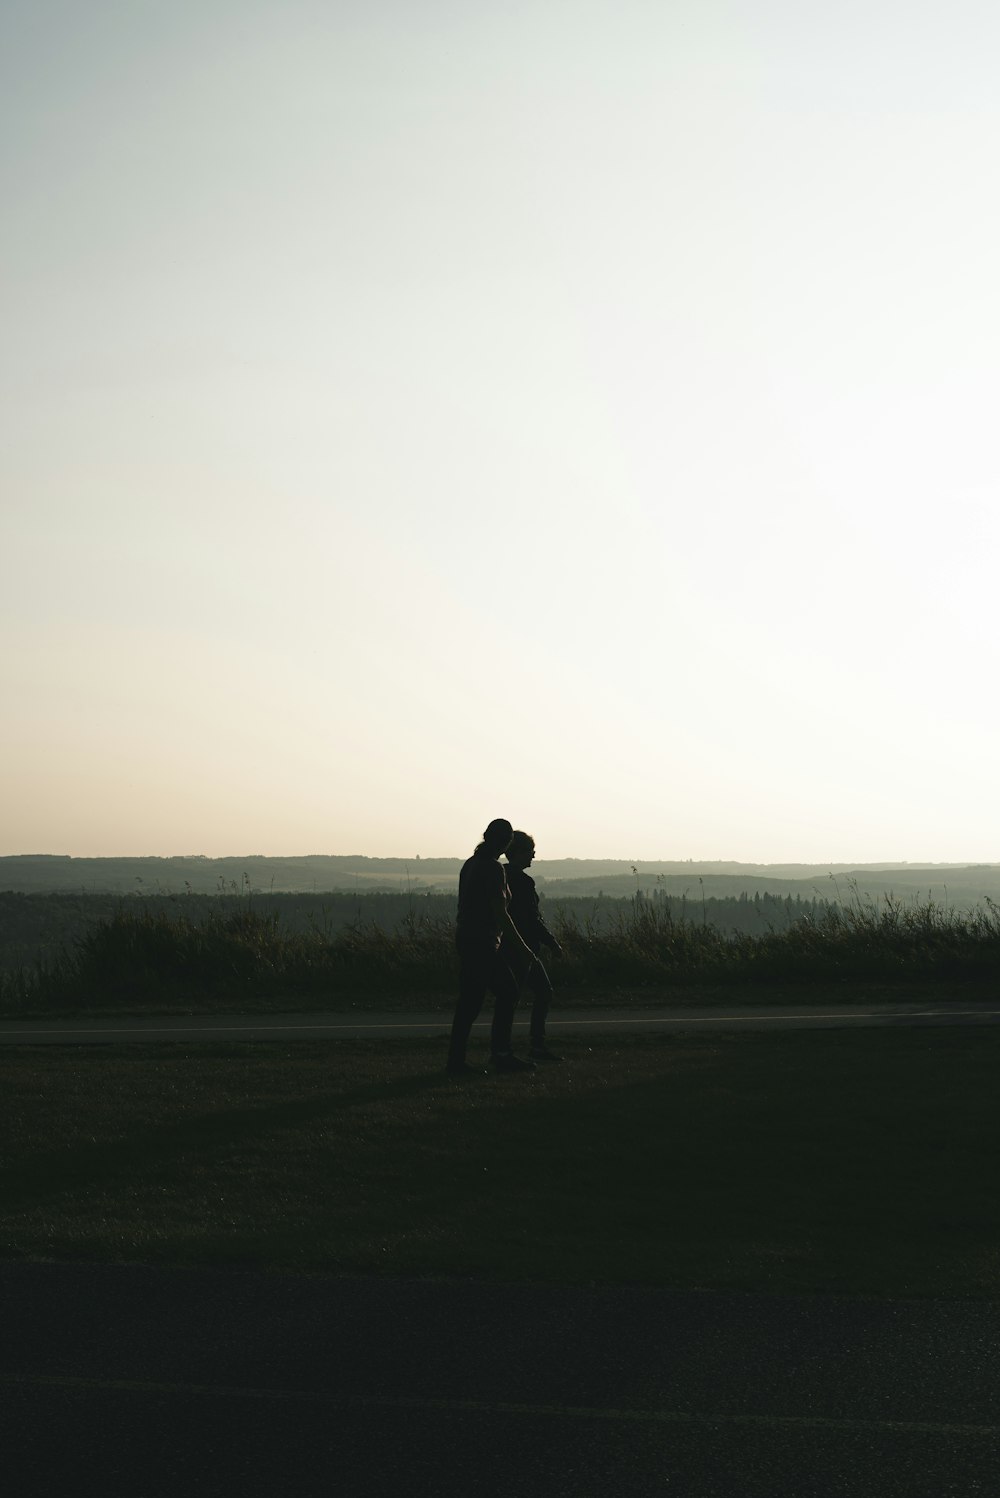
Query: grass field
[
  {"x": 861, "y": 1162},
  {"x": 238, "y": 957}
]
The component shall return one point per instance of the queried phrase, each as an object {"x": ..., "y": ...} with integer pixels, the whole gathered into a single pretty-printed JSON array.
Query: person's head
[
  {"x": 520, "y": 850},
  {"x": 496, "y": 837}
]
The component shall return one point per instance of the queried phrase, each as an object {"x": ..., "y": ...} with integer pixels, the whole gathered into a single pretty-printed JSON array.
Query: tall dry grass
[{"x": 144, "y": 957}]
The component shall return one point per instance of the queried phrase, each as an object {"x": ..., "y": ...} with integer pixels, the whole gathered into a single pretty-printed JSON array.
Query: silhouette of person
[
  {"x": 527, "y": 917},
  {"x": 483, "y": 922}
]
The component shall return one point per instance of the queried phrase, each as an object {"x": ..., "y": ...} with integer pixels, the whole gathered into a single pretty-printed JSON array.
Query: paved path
[
  {"x": 138, "y": 1382},
  {"x": 562, "y": 1022}
]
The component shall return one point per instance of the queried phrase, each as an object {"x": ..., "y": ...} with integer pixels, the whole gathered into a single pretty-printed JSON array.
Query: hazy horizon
[
  {"x": 580, "y": 414},
  {"x": 459, "y": 856}
]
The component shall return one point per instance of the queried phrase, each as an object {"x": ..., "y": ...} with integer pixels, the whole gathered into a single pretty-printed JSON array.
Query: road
[
  {"x": 143, "y": 1382},
  {"x": 365, "y": 1025}
]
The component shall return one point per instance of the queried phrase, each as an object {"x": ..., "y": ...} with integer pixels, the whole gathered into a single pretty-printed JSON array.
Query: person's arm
[
  {"x": 505, "y": 927},
  {"x": 550, "y": 941},
  {"x": 542, "y": 932}
]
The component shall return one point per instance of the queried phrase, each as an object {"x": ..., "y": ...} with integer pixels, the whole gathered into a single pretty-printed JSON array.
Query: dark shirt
[
  {"x": 480, "y": 884},
  {"x": 524, "y": 911}
]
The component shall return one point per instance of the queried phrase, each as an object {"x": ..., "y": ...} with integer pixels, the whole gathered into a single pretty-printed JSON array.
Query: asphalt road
[
  {"x": 363, "y": 1024},
  {"x": 153, "y": 1383}
]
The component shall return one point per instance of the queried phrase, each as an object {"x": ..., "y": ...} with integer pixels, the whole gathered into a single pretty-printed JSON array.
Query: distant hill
[
  {"x": 314, "y": 873},
  {"x": 961, "y": 885}
]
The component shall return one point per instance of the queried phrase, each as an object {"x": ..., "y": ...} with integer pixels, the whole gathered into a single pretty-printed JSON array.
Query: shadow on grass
[
  {"x": 837, "y": 1161},
  {"x": 79, "y": 1166},
  {"x": 852, "y": 1168}
]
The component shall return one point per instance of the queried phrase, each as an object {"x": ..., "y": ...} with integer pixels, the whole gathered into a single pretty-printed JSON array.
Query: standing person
[
  {"x": 483, "y": 921},
  {"x": 527, "y": 917}
]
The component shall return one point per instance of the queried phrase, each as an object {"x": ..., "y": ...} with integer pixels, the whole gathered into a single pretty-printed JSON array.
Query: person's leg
[
  {"x": 541, "y": 995},
  {"x": 473, "y": 978},
  {"x": 504, "y": 988}
]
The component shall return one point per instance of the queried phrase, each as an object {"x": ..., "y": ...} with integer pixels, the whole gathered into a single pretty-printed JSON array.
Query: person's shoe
[
  {"x": 542, "y": 1053},
  {"x": 510, "y": 1062}
]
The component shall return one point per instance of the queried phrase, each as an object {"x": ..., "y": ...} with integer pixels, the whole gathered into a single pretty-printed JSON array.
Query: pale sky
[{"x": 584, "y": 413}]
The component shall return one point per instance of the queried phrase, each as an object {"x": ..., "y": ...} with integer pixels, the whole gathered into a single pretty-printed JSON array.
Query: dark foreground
[
  {"x": 837, "y": 1161},
  {"x": 141, "y": 1382},
  {"x": 634, "y": 1018}
]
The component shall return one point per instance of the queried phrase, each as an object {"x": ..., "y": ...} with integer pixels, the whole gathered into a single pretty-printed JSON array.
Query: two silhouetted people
[
  {"x": 484, "y": 924},
  {"x": 493, "y": 954}
]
